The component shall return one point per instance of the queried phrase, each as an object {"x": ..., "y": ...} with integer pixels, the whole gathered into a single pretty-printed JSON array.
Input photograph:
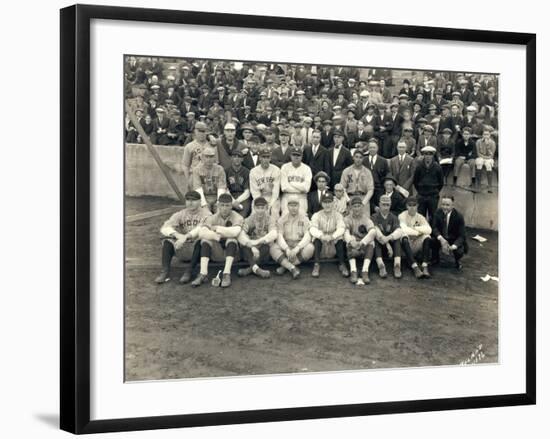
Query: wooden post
[{"x": 165, "y": 170}]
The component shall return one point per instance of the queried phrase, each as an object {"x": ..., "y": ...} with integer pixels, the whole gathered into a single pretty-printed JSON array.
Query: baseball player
[
  {"x": 416, "y": 237},
  {"x": 293, "y": 245},
  {"x": 218, "y": 236},
  {"x": 327, "y": 230},
  {"x": 181, "y": 237},
  {"x": 265, "y": 181},
  {"x": 295, "y": 180},
  {"x": 359, "y": 236},
  {"x": 192, "y": 152},
  {"x": 357, "y": 179},
  {"x": 258, "y": 232},
  {"x": 388, "y": 239},
  {"x": 209, "y": 179}
]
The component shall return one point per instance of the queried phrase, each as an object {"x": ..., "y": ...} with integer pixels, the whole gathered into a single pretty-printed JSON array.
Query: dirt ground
[{"x": 281, "y": 326}]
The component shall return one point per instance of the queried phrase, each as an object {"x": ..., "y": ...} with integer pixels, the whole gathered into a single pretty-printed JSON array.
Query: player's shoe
[
  {"x": 417, "y": 272},
  {"x": 280, "y": 270},
  {"x": 186, "y": 278},
  {"x": 425, "y": 272},
  {"x": 162, "y": 277},
  {"x": 316, "y": 270},
  {"x": 365, "y": 277},
  {"x": 242, "y": 272},
  {"x": 383, "y": 272},
  {"x": 353, "y": 278},
  {"x": 226, "y": 280},
  {"x": 199, "y": 280},
  {"x": 397, "y": 272},
  {"x": 295, "y": 273},
  {"x": 264, "y": 274},
  {"x": 458, "y": 267},
  {"x": 343, "y": 269}
]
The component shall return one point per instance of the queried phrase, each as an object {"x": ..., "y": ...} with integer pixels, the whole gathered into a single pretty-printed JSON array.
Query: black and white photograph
[{"x": 296, "y": 218}]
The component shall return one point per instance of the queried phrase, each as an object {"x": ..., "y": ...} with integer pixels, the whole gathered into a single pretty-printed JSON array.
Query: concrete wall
[{"x": 143, "y": 177}]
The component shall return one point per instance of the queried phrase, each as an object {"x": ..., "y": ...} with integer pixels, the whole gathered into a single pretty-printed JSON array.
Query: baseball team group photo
[{"x": 296, "y": 218}]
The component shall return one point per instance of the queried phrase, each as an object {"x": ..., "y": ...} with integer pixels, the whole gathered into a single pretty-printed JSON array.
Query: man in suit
[
  {"x": 161, "y": 124},
  {"x": 395, "y": 132},
  {"x": 397, "y": 200},
  {"x": 327, "y": 134},
  {"x": 379, "y": 167},
  {"x": 449, "y": 233},
  {"x": 316, "y": 156},
  {"x": 340, "y": 158},
  {"x": 281, "y": 153},
  {"x": 402, "y": 168},
  {"x": 321, "y": 180}
]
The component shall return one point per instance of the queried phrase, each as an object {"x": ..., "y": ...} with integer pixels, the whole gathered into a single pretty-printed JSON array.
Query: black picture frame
[{"x": 75, "y": 217}]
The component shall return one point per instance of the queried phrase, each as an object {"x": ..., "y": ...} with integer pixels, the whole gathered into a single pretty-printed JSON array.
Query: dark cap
[
  {"x": 339, "y": 133},
  {"x": 327, "y": 198},
  {"x": 296, "y": 150},
  {"x": 412, "y": 200},
  {"x": 237, "y": 153},
  {"x": 390, "y": 177},
  {"x": 447, "y": 131},
  {"x": 192, "y": 195},
  {"x": 225, "y": 198},
  {"x": 260, "y": 201},
  {"x": 356, "y": 200}
]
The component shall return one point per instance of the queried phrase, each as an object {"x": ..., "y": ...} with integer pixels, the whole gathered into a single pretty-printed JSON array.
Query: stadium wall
[{"x": 144, "y": 178}]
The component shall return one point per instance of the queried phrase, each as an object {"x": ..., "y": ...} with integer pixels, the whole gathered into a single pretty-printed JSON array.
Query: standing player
[
  {"x": 238, "y": 183},
  {"x": 360, "y": 236},
  {"x": 218, "y": 235},
  {"x": 181, "y": 233},
  {"x": 209, "y": 179},
  {"x": 295, "y": 180},
  {"x": 357, "y": 180},
  {"x": 293, "y": 245},
  {"x": 258, "y": 232},
  {"x": 327, "y": 230},
  {"x": 265, "y": 181},
  {"x": 192, "y": 152},
  {"x": 388, "y": 239},
  {"x": 416, "y": 237}
]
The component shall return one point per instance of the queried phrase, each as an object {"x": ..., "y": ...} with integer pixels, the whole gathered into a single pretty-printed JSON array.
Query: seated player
[
  {"x": 209, "y": 179},
  {"x": 181, "y": 237},
  {"x": 360, "y": 235},
  {"x": 416, "y": 238},
  {"x": 218, "y": 236},
  {"x": 327, "y": 230},
  {"x": 258, "y": 232},
  {"x": 388, "y": 239},
  {"x": 293, "y": 245},
  {"x": 449, "y": 233}
]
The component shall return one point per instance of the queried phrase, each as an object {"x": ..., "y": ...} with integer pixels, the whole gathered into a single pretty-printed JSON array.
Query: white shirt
[
  {"x": 336, "y": 154},
  {"x": 372, "y": 160},
  {"x": 314, "y": 149}
]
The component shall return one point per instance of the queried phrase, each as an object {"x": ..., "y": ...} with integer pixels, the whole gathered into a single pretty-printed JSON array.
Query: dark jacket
[
  {"x": 379, "y": 171},
  {"x": 344, "y": 160},
  {"x": 318, "y": 162},
  {"x": 428, "y": 181},
  {"x": 455, "y": 233}
]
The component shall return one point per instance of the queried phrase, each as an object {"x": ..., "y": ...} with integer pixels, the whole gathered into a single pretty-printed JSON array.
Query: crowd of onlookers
[{"x": 170, "y": 98}]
